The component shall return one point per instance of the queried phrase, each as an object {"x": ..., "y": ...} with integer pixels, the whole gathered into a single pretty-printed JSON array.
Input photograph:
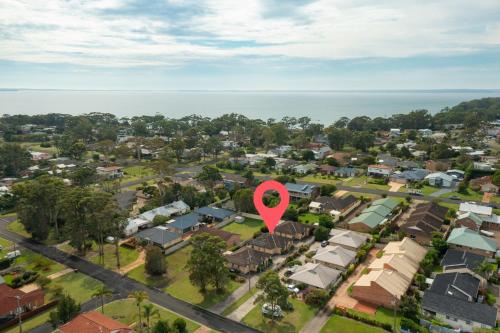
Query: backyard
[
  {"x": 291, "y": 322},
  {"x": 246, "y": 229}
]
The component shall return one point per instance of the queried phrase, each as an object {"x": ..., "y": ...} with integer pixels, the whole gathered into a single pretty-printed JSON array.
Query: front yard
[
  {"x": 366, "y": 182},
  {"x": 177, "y": 281},
  {"x": 339, "y": 324},
  {"x": 292, "y": 321},
  {"x": 246, "y": 229},
  {"x": 125, "y": 311}
]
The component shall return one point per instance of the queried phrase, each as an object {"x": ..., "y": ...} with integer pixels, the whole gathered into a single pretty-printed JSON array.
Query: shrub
[
  {"x": 5, "y": 263},
  {"x": 316, "y": 298},
  {"x": 180, "y": 325},
  {"x": 365, "y": 320},
  {"x": 155, "y": 261}
]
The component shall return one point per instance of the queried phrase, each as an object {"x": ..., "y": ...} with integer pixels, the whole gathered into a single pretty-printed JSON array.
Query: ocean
[{"x": 323, "y": 106}]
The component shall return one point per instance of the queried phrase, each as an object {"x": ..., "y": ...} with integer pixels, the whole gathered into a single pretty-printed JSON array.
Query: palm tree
[
  {"x": 102, "y": 292},
  {"x": 139, "y": 297},
  {"x": 485, "y": 269},
  {"x": 149, "y": 311}
]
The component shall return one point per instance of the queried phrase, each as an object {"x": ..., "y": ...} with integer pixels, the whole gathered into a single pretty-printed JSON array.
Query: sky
[{"x": 250, "y": 44}]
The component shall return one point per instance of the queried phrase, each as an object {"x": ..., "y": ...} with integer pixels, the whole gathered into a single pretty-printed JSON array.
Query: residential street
[{"x": 123, "y": 286}]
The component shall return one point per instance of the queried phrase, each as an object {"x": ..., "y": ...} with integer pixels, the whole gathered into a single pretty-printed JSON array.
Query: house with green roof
[
  {"x": 471, "y": 241},
  {"x": 377, "y": 214}
]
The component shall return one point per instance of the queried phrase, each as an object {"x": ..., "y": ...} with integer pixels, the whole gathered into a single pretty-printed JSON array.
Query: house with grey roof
[
  {"x": 185, "y": 223},
  {"x": 463, "y": 262},
  {"x": 348, "y": 239},
  {"x": 440, "y": 179},
  {"x": 454, "y": 299},
  {"x": 302, "y": 191},
  {"x": 215, "y": 214},
  {"x": 409, "y": 176},
  {"x": 161, "y": 236},
  {"x": 471, "y": 241},
  {"x": 316, "y": 275},
  {"x": 335, "y": 257}
]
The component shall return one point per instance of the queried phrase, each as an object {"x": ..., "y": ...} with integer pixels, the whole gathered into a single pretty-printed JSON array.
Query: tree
[
  {"x": 321, "y": 234},
  {"x": 162, "y": 326},
  {"x": 38, "y": 205},
  {"x": 180, "y": 325},
  {"x": 496, "y": 178},
  {"x": 13, "y": 159},
  {"x": 101, "y": 292},
  {"x": 338, "y": 138},
  {"x": 308, "y": 155},
  {"x": 155, "y": 261},
  {"x": 327, "y": 189},
  {"x": 439, "y": 243},
  {"x": 316, "y": 298},
  {"x": 207, "y": 265},
  {"x": 326, "y": 221},
  {"x": 67, "y": 309},
  {"x": 149, "y": 311},
  {"x": 243, "y": 200},
  {"x": 485, "y": 269},
  {"x": 291, "y": 214},
  {"x": 273, "y": 291},
  {"x": 139, "y": 297},
  {"x": 161, "y": 219},
  {"x": 408, "y": 306},
  {"x": 213, "y": 146},
  {"x": 363, "y": 140},
  {"x": 77, "y": 149},
  {"x": 178, "y": 145},
  {"x": 84, "y": 176},
  {"x": 209, "y": 174}
]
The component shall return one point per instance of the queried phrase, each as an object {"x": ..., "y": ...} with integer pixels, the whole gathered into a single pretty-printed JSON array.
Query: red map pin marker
[{"x": 271, "y": 216}]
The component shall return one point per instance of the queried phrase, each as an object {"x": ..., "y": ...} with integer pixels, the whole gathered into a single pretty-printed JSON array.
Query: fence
[{"x": 27, "y": 315}]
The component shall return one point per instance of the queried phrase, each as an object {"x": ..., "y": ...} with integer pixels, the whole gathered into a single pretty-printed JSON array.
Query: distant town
[{"x": 147, "y": 224}]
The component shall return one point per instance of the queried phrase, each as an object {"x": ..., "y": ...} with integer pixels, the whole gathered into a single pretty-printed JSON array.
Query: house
[
  {"x": 271, "y": 244},
  {"x": 246, "y": 260},
  {"x": 455, "y": 173},
  {"x": 302, "y": 191},
  {"x": 453, "y": 298},
  {"x": 423, "y": 221},
  {"x": 478, "y": 222},
  {"x": 326, "y": 169},
  {"x": 335, "y": 257},
  {"x": 489, "y": 188},
  {"x": 111, "y": 172},
  {"x": 161, "y": 236},
  {"x": 425, "y": 132},
  {"x": 94, "y": 322},
  {"x": 387, "y": 160},
  {"x": 409, "y": 176},
  {"x": 390, "y": 276},
  {"x": 379, "y": 170},
  {"x": 471, "y": 207},
  {"x": 320, "y": 153},
  {"x": 233, "y": 181},
  {"x": 471, "y": 241},
  {"x": 214, "y": 214},
  {"x": 345, "y": 172},
  {"x": 293, "y": 230},
  {"x": 281, "y": 150},
  {"x": 463, "y": 262},
  {"x": 395, "y": 132},
  {"x": 316, "y": 275},
  {"x": 440, "y": 179},
  {"x": 304, "y": 169},
  {"x": 349, "y": 240},
  {"x": 230, "y": 238},
  {"x": 335, "y": 207},
  {"x": 376, "y": 215},
  {"x": 483, "y": 184},
  {"x": 185, "y": 223},
  {"x": 39, "y": 156},
  {"x": 28, "y": 301}
]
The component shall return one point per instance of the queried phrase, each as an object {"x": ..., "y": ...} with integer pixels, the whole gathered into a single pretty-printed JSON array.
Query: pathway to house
[
  {"x": 316, "y": 324},
  {"x": 244, "y": 309},
  {"x": 395, "y": 186},
  {"x": 138, "y": 262},
  {"x": 60, "y": 273},
  {"x": 487, "y": 197},
  {"x": 236, "y": 295},
  {"x": 339, "y": 194}
]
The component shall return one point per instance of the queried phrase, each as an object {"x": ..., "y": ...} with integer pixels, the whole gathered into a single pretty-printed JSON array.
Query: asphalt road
[{"x": 123, "y": 286}]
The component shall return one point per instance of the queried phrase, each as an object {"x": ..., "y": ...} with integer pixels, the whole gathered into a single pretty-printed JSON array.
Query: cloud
[{"x": 119, "y": 33}]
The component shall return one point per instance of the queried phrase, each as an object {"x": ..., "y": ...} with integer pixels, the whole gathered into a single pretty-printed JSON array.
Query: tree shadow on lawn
[{"x": 277, "y": 326}]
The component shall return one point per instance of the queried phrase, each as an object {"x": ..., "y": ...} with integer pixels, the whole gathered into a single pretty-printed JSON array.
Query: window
[{"x": 467, "y": 322}]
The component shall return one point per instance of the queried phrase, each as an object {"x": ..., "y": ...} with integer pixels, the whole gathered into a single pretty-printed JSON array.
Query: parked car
[
  {"x": 13, "y": 254},
  {"x": 324, "y": 243},
  {"x": 268, "y": 310},
  {"x": 292, "y": 288},
  {"x": 455, "y": 197}
]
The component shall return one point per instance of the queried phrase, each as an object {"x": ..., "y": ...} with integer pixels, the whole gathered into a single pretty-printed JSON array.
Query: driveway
[
  {"x": 395, "y": 186},
  {"x": 341, "y": 297}
]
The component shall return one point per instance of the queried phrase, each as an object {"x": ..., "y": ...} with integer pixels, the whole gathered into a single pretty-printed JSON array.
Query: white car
[
  {"x": 268, "y": 310},
  {"x": 13, "y": 254},
  {"x": 292, "y": 288}
]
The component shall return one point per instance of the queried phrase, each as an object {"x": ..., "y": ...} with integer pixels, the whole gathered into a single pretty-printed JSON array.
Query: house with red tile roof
[{"x": 94, "y": 322}]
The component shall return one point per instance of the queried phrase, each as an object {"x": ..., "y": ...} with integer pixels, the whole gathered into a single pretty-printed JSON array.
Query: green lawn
[
  {"x": 177, "y": 283},
  {"x": 77, "y": 285},
  {"x": 291, "y": 322},
  {"x": 35, "y": 146},
  {"x": 382, "y": 315},
  {"x": 246, "y": 229},
  {"x": 136, "y": 172},
  {"x": 127, "y": 255},
  {"x": 18, "y": 228},
  {"x": 239, "y": 302},
  {"x": 426, "y": 190},
  {"x": 31, "y": 323},
  {"x": 125, "y": 311},
  {"x": 321, "y": 179},
  {"x": 309, "y": 218},
  {"x": 470, "y": 196},
  {"x": 339, "y": 324},
  {"x": 366, "y": 182},
  {"x": 6, "y": 247}
]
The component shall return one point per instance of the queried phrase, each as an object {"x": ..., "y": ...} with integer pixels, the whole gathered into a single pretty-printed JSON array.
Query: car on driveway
[
  {"x": 292, "y": 288},
  {"x": 269, "y": 310}
]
